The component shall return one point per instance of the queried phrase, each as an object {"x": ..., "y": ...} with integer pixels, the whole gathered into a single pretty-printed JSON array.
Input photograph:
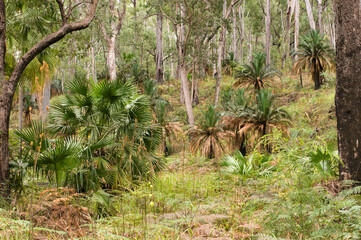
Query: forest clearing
[{"x": 180, "y": 119}]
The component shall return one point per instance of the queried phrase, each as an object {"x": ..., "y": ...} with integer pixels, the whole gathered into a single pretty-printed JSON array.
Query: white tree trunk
[
  {"x": 159, "y": 50},
  {"x": 111, "y": 59},
  {"x": 170, "y": 45},
  {"x": 297, "y": 24},
  {"x": 320, "y": 10},
  {"x": 234, "y": 34},
  {"x": 268, "y": 32},
  {"x": 220, "y": 50},
  {"x": 310, "y": 14},
  {"x": 241, "y": 11},
  {"x": 94, "y": 71}
]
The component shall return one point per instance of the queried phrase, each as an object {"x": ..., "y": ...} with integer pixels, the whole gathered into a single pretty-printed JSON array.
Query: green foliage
[
  {"x": 257, "y": 75},
  {"x": 207, "y": 137}
]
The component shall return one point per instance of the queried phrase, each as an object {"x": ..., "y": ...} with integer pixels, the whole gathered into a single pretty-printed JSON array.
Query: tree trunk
[
  {"x": 310, "y": 15},
  {"x": 220, "y": 50},
  {"x": 111, "y": 59},
  {"x": 8, "y": 87},
  {"x": 348, "y": 87},
  {"x": 234, "y": 34},
  {"x": 290, "y": 9},
  {"x": 320, "y": 10},
  {"x": 316, "y": 76},
  {"x": 172, "y": 74},
  {"x": 159, "y": 50},
  {"x": 268, "y": 32},
  {"x": 241, "y": 26},
  {"x": 94, "y": 68},
  {"x": 297, "y": 24},
  {"x": 21, "y": 111},
  {"x": 250, "y": 47}
]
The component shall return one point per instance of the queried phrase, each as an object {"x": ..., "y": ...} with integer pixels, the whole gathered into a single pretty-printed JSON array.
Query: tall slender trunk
[
  {"x": 250, "y": 46},
  {"x": 171, "y": 58},
  {"x": 111, "y": 59},
  {"x": 290, "y": 10},
  {"x": 21, "y": 111},
  {"x": 297, "y": 24},
  {"x": 183, "y": 70},
  {"x": 159, "y": 50},
  {"x": 348, "y": 88},
  {"x": 94, "y": 68},
  {"x": 310, "y": 15},
  {"x": 135, "y": 26},
  {"x": 320, "y": 10},
  {"x": 220, "y": 50},
  {"x": 268, "y": 32},
  {"x": 234, "y": 34},
  {"x": 241, "y": 11}
]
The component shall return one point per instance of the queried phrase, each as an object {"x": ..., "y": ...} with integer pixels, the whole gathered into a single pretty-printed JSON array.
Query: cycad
[
  {"x": 263, "y": 118},
  {"x": 315, "y": 54},
  {"x": 236, "y": 109},
  {"x": 229, "y": 64},
  {"x": 208, "y": 136},
  {"x": 257, "y": 75},
  {"x": 170, "y": 129}
]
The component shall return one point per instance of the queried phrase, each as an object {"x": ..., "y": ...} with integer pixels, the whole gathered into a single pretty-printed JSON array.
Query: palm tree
[
  {"x": 257, "y": 74},
  {"x": 229, "y": 64},
  {"x": 315, "y": 54},
  {"x": 263, "y": 118},
  {"x": 236, "y": 109},
  {"x": 208, "y": 136},
  {"x": 170, "y": 129}
]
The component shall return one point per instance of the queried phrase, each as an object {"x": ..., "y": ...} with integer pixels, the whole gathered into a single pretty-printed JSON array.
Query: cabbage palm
[
  {"x": 257, "y": 75},
  {"x": 315, "y": 54},
  {"x": 208, "y": 136}
]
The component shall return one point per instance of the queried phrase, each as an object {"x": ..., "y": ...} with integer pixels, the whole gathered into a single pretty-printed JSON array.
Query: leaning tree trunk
[
  {"x": 348, "y": 87},
  {"x": 159, "y": 50}
]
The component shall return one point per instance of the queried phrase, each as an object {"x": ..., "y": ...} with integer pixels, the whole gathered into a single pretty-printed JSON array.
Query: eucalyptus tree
[
  {"x": 110, "y": 26},
  {"x": 68, "y": 21}
]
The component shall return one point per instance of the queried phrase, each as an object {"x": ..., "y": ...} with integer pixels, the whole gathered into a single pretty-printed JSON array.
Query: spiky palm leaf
[
  {"x": 208, "y": 136},
  {"x": 315, "y": 54},
  {"x": 257, "y": 75}
]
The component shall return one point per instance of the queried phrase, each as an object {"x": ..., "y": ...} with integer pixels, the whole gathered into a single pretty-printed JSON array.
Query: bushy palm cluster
[
  {"x": 207, "y": 137},
  {"x": 315, "y": 54},
  {"x": 257, "y": 75},
  {"x": 97, "y": 136},
  {"x": 253, "y": 121}
]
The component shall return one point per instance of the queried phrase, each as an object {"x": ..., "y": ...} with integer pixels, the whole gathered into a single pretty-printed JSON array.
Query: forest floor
[{"x": 193, "y": 198}]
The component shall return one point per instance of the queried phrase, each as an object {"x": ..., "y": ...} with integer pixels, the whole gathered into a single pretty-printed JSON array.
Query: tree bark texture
[
  {"x": 268, "y": 32},
  {"x": 310, "y": 15},
  {"x": 159, "y": 50},
  {"x": 348, "y": 87}
]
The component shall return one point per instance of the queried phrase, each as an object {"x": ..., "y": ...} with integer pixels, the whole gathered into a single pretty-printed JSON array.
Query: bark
[
  {"x": 241, "y": 27},
  {"x": 250, "y": 47},
  {"x": 182, "y": 68},
  {"x": 21, "y": 110},
  {"x": 268, "y": 32},
  {"x": 116, "y": 23},
  {"x": 170, "y": 46},
  {"x": 348, "y": 87},
  {"x": 297, "y": 24},
  {"x": 94, "y": 68},
  {"x": 234, "y": 34},
  {"x": 8, "y": 87},
  {"x": 310, "y": 15},
  {"x": 290, "y": 10},
  {"x": 159, "y": 50},
  {"x": 320, "y": 10},
  {"x": 221, "y": 45}
]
